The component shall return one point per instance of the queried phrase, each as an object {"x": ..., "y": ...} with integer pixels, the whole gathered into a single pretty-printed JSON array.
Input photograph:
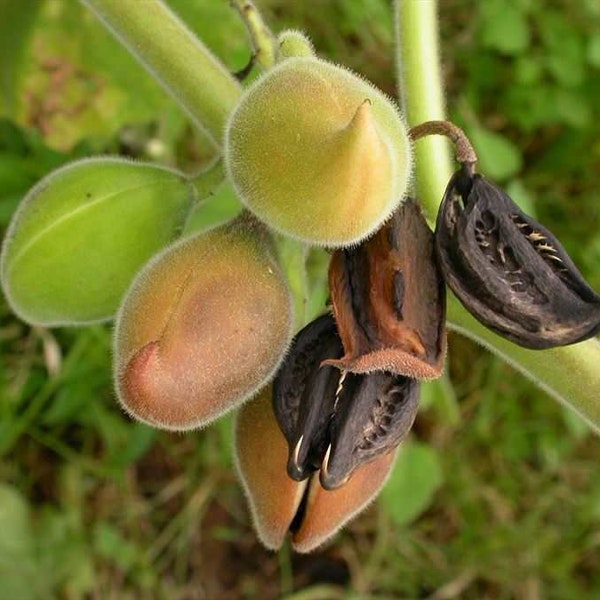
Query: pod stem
[
  {"x": 570, "y": 374},
  {"x": 465, "y": 153},
  {"x": 262, "y": 40},
  {"x": 208, "y": 180},
  {"x": 180, "y": 62}
]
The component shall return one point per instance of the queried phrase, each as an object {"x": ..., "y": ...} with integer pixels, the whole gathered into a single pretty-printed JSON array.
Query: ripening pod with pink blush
[
  {"x": 204, "y": 325},
  {"x": 317, "y": 152},
  {"x": 280, "y": 505}
]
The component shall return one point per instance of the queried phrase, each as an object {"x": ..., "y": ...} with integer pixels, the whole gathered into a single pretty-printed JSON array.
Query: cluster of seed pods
[
  {"x": 318, "y": 154},
  {"x": 347, "y": 392}
]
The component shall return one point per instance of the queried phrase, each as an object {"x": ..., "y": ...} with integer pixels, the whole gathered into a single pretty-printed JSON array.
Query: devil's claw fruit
[
  {"x": 337, "y": 421},
  {"x": 389, "y": 300},
  {"x": 510, "y": 272},
  {"x": 202, "y": 328}
]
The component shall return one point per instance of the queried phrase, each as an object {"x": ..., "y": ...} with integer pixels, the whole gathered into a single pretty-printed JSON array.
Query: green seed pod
[
  {"x": 317, "y": 152},
  {"x": 202, "y": 328},
  {"x": 294, "y": 43},
  {"x": 82, "y": 233}
]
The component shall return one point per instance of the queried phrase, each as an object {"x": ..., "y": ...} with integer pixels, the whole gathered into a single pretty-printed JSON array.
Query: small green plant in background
[{"x": 40, "y": 292}]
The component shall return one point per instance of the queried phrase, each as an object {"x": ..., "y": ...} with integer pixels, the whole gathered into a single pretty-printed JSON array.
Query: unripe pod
[
  {"x": 82, "y": 233},
  {"x": 202, "y": 328},
  {"x": 317, "y": 152},
  {"x": 294, "y": 43}
]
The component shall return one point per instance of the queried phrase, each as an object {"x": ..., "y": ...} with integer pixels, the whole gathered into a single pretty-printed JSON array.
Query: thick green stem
[
  {"x": 175, "y": 57},
  {"x": 570, "y": 374},
  {"x": 420, "y": 88}
]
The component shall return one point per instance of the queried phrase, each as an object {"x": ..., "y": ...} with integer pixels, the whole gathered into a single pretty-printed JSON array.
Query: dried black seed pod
[
  {"x": 304, "y": 395},
  {"x": 373, "y": 414},
  {"x": 388, "y": 298},
  {"x": 509, "y": 271},
  {"x": 333, "y": 420}
]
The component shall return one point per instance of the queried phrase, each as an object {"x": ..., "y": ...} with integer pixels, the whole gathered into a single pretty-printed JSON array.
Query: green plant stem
[
  {"x": 262, "y": 40},
  {"x": 422, "y": 95},
  {"x": 570, "y": 374},
  {"x": 208, "y": 180},
  {"x": 175, "y": 57}
]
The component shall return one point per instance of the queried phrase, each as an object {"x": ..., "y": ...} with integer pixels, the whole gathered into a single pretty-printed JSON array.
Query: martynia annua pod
[
  {"x": 335, "y": 421},
  {"x": 509, "y": 271},
  {"x": 388, "y": 299}
]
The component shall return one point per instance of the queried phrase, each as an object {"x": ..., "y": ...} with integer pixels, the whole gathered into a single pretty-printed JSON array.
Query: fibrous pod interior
[{"x": 388, "y": 298}]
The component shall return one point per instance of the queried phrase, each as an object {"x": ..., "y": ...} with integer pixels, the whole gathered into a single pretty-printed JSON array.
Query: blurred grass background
[{"x": 497, "y": 495}]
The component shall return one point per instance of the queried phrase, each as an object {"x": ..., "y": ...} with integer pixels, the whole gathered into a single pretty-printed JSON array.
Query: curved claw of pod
[
  {"x": 388, "y": 298},
  {"x": 279, "y": 504},
  {"x": 509, "y": 271},
  {"x": 203, "y": 327},
  {"x": 336, "y": 421}
]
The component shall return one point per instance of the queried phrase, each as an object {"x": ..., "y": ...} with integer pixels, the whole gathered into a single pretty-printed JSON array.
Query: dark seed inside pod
[
  {"x": 509, "y": 271},
  {"x": 304, "y": 395},
  {"x": 373, "y": 414}
]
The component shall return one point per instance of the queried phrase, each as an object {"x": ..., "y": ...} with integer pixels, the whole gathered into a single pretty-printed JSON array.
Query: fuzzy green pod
[
  {"x": 202, "y": 328},
  {"x": 292, "y": 42},
  {"x": 81, "y": 234},
  {"x": 317, "y": 152}
]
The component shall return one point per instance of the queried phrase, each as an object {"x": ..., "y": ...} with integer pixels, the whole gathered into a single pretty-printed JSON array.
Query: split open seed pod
[
  {"x": 280, "y": 505},
  {"x": 388, "y": 298},
  {"x": 203, "y": 327},
  {"x": 317, "y": 152},
  {"x": 510, "y": 272},
  {"x": 335, "y": 422}
]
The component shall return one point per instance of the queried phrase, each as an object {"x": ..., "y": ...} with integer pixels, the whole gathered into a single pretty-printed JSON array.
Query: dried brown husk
[
  {"x": 388, "y": 299},
  {"x": 510, "y": 272}
]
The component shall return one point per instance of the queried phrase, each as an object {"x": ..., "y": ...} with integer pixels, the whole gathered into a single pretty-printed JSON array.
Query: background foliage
[{"x": 498, "y": 493}]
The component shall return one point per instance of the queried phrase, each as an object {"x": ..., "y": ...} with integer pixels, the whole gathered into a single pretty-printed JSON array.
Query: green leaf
[
  {"x": 504, "y": 27},
  {"x": 517, "y": 190},
  {"x": 83, "y": 232},
  {"x": 410, "y": 489},
  {"x": 564, "y": 48},
  {"x": 65, "y": 558},
  {"x": 593, "y": 50},
  {"x": 17, "y": 548},
  {"x": 111, "y": 545},
  {"x": 499, "y": 158},
  {"x": 439, "y": 393},
  {"x": 16, "y": 26}
]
